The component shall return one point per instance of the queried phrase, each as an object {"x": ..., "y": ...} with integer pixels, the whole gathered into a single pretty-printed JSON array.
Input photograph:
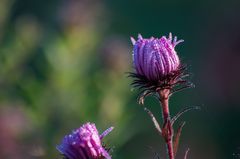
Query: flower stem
[{"x": 167, "y": 126}]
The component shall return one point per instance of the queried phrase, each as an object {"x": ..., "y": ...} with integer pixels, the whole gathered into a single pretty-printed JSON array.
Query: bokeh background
[{"x": 64, "y": 62}]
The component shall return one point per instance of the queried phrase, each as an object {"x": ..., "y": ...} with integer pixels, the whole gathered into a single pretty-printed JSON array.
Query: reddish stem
[
  {"x": 165, "y": 109},
  {"x": 168, "y": 129}
]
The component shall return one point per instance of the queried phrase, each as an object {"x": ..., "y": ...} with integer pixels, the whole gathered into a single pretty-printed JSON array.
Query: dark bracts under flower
[
  {"x": 84, "y": 143},
  {"x": 174, "y": 81}
]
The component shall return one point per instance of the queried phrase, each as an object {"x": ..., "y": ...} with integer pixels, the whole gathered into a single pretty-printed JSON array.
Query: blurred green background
[{"x": 64, "y": 62}]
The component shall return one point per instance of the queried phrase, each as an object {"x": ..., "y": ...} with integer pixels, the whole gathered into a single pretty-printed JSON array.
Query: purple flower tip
[
  {"x": 106, "y": 132},
  {"x": 155, "y": 58},
  {"x": 84, "y": 143}
]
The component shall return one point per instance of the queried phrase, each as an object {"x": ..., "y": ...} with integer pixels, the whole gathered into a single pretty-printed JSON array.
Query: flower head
[
  {"x": 155, "y": 58},
  {"x": 84, "y": 143},
  {"x": 156, "y": 63}
]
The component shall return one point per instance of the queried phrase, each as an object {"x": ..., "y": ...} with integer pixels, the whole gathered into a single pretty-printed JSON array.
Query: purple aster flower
[
  {"x": 155, "y": 58},
  {"x": 157, "y": 65},
  {"x": 84, "y": 143}
]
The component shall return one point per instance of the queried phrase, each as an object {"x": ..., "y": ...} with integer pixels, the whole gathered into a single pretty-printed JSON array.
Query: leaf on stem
[
  {"x": 182, "y": 112},
  {"x": 186, "y": 153},
  {"x": 177, "y": 138},
  {"x": 155, "y": 122}
]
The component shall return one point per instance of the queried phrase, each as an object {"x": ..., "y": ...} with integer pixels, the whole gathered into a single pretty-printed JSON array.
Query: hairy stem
[{"x": 167, "y": 128}]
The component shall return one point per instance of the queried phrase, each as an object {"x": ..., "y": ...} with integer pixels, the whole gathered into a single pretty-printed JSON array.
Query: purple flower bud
[
  {"x": 84, "y": 143},
  {"x": 155, "y": 58}
]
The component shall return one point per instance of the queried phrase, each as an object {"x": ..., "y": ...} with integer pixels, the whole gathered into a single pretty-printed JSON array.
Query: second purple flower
[{"x": 84, "y": 143}]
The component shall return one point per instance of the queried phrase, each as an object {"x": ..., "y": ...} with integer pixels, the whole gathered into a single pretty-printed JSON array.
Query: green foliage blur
[{"x": 65, "y": 62}]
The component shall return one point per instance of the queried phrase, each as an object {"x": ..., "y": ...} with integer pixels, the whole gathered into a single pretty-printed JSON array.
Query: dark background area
[{"x": 63, "y": 63}]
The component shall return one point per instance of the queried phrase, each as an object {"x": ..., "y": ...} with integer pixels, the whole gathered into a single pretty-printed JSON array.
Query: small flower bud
[{"x": 84, "y": 143}]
